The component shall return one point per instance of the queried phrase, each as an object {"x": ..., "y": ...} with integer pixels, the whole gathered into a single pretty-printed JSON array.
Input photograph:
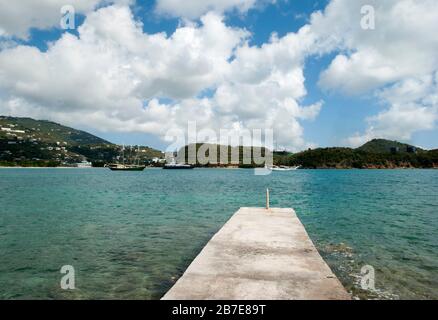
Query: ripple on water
[{"x": 130, "y": 236}]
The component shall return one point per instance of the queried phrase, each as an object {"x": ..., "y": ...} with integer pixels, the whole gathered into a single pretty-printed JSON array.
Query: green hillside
[
  {"x": 379, "y": 154},
  {"x": 376, "y": 154},
  {"x": 51, "y": 132},
  {"x": 224, "y": 159},
  {"x": 29, "y": 142},
  {"x": 386, "y": 146}
]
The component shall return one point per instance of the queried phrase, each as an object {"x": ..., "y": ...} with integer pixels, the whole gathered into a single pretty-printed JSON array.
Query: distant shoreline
[
  {"x": 21, "y": 167},
  {"x": 223, "y": 168}
]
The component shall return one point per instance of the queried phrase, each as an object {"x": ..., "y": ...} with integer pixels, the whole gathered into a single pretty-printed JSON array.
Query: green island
[
  {"x": 375, "y": 154},
  {"x": 25, "y": 142}
]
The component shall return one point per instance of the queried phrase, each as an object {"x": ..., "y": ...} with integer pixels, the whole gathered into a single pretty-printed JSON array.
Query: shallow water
[{"x": 129, "y": 235}]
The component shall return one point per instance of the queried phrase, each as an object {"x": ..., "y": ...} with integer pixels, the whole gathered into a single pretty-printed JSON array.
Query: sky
[{"x": 318, "y": 73}]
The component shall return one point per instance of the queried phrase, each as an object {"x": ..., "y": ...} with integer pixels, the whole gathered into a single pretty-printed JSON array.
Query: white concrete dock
[{"x": 259, "y": 254}]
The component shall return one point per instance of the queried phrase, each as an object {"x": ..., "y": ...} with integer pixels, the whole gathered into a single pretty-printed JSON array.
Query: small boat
[
  {"x": 178, "y": 166},
  {"x": 173, "y": 164},
  {"x": 282, "y": 168},
  {"x": 135, "y": 166},
  {"x": 125, "y": 167}
]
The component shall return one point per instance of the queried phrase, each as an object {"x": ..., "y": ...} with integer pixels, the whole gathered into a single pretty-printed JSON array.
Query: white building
[
  {"x": 84, "y": 164},
  {"x": 10, "y": 130}
]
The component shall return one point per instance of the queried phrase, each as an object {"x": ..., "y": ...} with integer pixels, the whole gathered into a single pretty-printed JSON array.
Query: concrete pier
[{"x": 259, "y": 254}]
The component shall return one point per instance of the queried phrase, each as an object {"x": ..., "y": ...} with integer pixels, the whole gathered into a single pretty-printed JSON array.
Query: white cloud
[
  {"x": 402, "y": 45},
  {"x": 192, "y": 9},
  {"x": 413, "y": 106},
  {"x": 18, "y": 17},
  {"x": 113, "y": 76},
  {"x": 116, "y": 77},
  {"x": 397, "y": 56},
  {"x": 265, "y": 86},
  {"x": 113, "y": 60}
]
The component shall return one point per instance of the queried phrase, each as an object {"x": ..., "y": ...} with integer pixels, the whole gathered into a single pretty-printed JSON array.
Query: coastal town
[
  {"x": 42, "y": 143},
  {"x": 28, "y": 142}
]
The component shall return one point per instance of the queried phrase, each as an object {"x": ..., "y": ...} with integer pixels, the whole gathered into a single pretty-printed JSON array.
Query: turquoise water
[{"x": 129, "y": 235}]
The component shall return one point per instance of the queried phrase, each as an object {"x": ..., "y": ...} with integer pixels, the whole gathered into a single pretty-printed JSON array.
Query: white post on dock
[{"x": 267, "y": 199}]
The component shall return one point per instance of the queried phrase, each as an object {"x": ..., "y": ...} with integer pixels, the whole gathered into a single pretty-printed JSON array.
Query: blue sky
[{"x": 343, "y": 114}]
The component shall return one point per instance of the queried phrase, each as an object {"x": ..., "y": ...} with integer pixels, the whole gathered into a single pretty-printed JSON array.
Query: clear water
[{"x": 129, "y": 235}]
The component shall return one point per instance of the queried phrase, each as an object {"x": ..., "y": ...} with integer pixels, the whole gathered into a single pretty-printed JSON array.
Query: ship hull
[
  {"x": 127, "y": 169},
  {"x": 177, "y": 167}
]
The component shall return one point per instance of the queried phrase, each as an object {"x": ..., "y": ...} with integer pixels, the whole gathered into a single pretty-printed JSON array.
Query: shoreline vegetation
[
  {"x": 375, "y": 154},
  {"x": 29, "y": 143},
  {"x": 401, "y": 157},
  {"x": 223, "y": 168}
]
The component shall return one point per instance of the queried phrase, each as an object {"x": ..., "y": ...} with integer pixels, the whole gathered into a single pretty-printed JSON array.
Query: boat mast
[
  {"x": 130, "y": 154},
  {"x": 123, "y": 154}
]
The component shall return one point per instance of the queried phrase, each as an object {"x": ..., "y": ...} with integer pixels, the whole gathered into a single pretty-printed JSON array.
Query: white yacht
[
  {"x": 282, "y": 168},
  {"x": 175, "y": 165}
]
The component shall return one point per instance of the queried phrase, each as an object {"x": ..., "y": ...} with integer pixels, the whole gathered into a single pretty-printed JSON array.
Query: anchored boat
[
  {"x": 135, "y": 166},
  {"x": 126, "y": 167},
  {"x": 282, "y": 168},
  {"x": 178, "y": 166},
  {"x": 175, "y": 165}
]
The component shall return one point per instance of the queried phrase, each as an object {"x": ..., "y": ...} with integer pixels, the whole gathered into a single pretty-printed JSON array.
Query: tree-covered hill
[
  {"x": 387, "y": 146},
  {"x": 51, "y": 132},
  {"x": 222, "y": 155},
  {"x": 378, "y": 154},
  {"x": 29, "y": 142}
]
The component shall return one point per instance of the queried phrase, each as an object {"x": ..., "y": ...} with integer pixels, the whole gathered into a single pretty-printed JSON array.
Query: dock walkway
[{"x": 259, "y": 254}]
